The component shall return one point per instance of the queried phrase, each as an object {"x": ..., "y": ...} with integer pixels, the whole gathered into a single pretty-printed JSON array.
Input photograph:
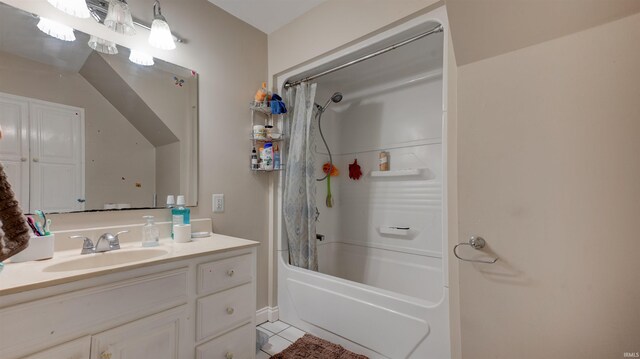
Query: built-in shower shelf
[{"x": 397, "y": 173}]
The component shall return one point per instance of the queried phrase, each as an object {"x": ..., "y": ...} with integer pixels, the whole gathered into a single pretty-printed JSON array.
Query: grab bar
[{"x": 475, "y": 243}]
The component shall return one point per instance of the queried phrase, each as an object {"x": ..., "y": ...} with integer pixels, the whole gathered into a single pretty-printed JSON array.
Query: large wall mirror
[{"x": 84, "y": 130}]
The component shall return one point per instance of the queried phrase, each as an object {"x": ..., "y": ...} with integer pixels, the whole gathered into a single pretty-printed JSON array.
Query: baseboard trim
[{"x": 267, "y": 314}]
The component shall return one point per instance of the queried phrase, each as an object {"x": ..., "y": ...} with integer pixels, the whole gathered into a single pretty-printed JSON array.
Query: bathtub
[{"x": 369, "y": 320}]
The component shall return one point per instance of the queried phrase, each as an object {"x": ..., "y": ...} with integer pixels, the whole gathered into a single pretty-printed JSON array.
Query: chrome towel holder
[{"x": 477, "y": 243}]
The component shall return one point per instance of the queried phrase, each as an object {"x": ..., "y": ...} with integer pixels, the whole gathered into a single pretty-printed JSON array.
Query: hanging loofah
[
  {"x": 14, "y": 235},
  {"x": 355, "y": 172}
]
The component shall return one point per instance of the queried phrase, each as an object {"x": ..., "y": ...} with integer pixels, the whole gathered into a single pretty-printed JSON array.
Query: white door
[
  {"x": 14, "y": 146},
  {"x": 57, "y": 157}
]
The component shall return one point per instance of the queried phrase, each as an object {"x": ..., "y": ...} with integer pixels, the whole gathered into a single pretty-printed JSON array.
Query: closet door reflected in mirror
[{"x": 43, "y": 153}]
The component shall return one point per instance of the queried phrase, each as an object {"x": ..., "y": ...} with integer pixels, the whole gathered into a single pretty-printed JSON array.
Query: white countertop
[{"x": 20, "y": 277}]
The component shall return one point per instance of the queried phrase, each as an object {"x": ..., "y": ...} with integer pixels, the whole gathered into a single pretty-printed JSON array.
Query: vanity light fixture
[
  {"x": 160, "y": 36},
  {"x": 55, "y": 29},
  {"x": 119, "y": 18},
  {"x": 77, "y": 8},
  {"x": 104, "y": 46},
  {"x": 141, "y": 58}
]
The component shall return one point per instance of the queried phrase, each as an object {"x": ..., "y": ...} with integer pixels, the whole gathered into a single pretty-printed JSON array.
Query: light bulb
[
  {"x": 102, "y": 45},
  {"x": 141, "y": 58},
  {"x": 161, "y": 36},
  {"x": 119, "y": 18},
  {"x": 56, "y": 29},
  {"x": 77, "y": 8}
]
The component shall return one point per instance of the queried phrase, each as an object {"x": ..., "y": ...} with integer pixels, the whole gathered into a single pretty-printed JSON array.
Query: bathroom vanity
[{"x": 191, "y": 300}]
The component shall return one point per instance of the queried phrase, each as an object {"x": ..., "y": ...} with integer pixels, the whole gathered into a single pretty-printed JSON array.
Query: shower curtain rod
[{"x": 436, "y": 29}]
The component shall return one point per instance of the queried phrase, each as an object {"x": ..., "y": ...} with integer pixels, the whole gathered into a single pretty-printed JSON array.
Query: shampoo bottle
[
  {"x": 180, "y": 214},
  {"x": 267, "y": 158},
  {"x": 276, "y": 157}
]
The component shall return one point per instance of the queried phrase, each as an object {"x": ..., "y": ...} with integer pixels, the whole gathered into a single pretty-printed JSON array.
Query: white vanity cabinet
[{"x": 203, "y": 307}]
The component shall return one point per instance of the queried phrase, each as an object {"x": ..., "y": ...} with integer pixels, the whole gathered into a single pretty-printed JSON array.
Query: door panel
[
  {"x": 57, "y": 157},
  {"x": 14, "y": 147}
]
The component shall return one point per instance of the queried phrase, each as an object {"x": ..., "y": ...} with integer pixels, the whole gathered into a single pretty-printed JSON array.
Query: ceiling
[
  {"x": 485, "y": 28},
  {"x": 266, "y": 15}
]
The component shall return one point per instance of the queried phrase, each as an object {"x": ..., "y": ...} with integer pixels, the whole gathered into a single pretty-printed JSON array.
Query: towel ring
[{"x": 475, "y": 243}]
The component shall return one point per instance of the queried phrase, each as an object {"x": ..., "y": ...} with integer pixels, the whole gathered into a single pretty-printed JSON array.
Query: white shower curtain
[{"x": 300, "y": 182}]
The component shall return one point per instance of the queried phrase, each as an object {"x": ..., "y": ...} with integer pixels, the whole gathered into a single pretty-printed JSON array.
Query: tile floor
[{"x": 281, "y": 335}]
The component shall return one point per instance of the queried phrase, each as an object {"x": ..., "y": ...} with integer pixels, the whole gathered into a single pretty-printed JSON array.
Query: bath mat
[{"x": 312, "y": 347}]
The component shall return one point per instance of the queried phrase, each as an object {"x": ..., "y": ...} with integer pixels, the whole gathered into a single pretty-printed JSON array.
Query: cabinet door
[
  {"x": 57, "y": 157},
  {"x": 154, "y": 337},
  {"x": 238, "y": 344},
  {"x": 14, "y": 147},
  {"x": 75, "y": 349}
]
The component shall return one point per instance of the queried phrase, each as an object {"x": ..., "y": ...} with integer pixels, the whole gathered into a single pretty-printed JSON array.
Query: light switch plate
[{"x": 217, "y": 203}]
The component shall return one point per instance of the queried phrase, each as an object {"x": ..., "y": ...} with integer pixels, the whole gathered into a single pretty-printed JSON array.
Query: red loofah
[{"x": 354, "y": 170}]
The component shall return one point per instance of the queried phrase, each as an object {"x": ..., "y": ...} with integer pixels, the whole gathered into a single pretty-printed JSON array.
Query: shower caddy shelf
[{"x": 264, "y": 110}]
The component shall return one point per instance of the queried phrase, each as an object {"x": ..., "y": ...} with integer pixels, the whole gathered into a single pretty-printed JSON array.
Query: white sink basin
[{"x": 121, "y": 256}]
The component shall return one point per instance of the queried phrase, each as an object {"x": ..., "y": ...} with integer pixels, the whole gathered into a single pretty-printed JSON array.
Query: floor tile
[
  {"x": 291, "y": 334},
  {"x": 269, "y": 333},
  {"x": 275, "y": 345},
  {"x": 262, "y": 355},
  {"x": 275, "y": 327}
]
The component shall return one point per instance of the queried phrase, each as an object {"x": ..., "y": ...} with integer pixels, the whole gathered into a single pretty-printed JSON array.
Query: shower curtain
[{"x": 300, "y": 184}]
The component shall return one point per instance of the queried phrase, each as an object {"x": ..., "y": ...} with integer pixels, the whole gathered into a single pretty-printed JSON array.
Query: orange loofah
[{"x": 334, "y": 170}]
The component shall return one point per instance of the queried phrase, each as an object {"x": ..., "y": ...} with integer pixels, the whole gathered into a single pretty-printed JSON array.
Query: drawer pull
[
  {"x": 230, "y": 310},
  {"x": 105, "y": 355},
  {"x": 230, "y": 272},
  {"x": 229, "y": 355}
]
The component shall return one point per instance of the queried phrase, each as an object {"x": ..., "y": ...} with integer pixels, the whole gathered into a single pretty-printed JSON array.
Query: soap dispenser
[{"x": 150, "y": 233}]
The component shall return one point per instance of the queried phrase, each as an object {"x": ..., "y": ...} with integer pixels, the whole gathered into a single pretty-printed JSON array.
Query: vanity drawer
[
  {"x": 223, "y": 274},
  {"x": 221, "y": 311},
  {"x": 238, "y": 344}
]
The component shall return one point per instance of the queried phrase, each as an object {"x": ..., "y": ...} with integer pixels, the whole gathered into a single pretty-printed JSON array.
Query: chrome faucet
[{"x": 107, "y": 242}]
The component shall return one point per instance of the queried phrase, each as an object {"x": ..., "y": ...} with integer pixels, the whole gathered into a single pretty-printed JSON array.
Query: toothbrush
[
  {"x": 32, "y": 224},
  {"x": 47, "y": 226},
  {"x": 41, "y": 215},
  {"x": 39, "y": 229}
]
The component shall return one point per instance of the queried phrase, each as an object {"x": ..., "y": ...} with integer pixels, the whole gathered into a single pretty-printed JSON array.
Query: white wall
[{"x": 549, "y": 175}]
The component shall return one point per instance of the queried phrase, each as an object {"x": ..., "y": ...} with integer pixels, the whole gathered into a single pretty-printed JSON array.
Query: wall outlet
[{"x": 217, "y": 203}]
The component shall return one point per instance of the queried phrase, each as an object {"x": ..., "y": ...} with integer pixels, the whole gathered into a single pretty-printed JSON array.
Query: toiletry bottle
[
  {"x": 384, "y": 161},
  {"x": 276, "y": 157},
  {"x": 180, "y": 214},
  {"x": 171, "y": 201},
  {"x": 254, "y": 160},
  {"x": 150, "y": 233},
  {"x": 268, "y": 156},
  {"x": 261, "y": 94}
]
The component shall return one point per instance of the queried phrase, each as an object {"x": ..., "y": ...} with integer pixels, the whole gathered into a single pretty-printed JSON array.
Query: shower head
[{"x": 335, "y": 98}]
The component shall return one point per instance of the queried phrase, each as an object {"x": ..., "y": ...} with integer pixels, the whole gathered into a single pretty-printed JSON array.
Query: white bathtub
[{"x": 368, "y": 320}]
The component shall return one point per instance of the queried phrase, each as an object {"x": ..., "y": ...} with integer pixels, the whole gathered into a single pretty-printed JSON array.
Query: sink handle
[
  {"x": 115, "y": 243},
  {"x": 87, "y": 245}
]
